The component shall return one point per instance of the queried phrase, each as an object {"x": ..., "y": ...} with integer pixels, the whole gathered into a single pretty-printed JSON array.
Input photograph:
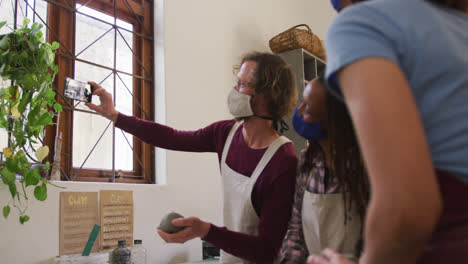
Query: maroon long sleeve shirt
[{"x": 272, "y": 195}]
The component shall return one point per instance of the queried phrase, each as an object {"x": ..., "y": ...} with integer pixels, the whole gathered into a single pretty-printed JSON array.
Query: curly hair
[{"x": 274, "y": 79}]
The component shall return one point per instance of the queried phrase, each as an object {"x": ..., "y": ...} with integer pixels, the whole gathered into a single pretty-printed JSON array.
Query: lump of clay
[{"x": 166, "y": 223}]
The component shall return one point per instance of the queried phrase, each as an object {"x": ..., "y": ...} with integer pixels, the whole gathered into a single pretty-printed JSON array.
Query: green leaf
[
  {"x": 25, "y": 218},
  {"x": 12, "y": 164},
  {"x": 4, "y": 42},
  {"x": 26, "y": 21},
  {"x": 39, "y": 36},
  {"x": 36, "y": 132},
  {"x": 43, "y": 120},
  {"x": 33, "y": 114},
  {"x": 51, "y": 57},
  {"x": 22, "y": 159},
  {"x": 32, "y": 177},
  {"x": 2, "y": 24},
  {"x": 47, "y": 44},
  {"x": 35, "y": 28},
  {"x": 12, "y": 91},
  {"x": 23, "y": 33},
  {"x": 20, "y": 140},
  {"x": 24, "y": 55},
  {"x": 55, "y": 45},
  {"x": 6, "y": 211},
  {"x": 30, "y": 45},
  {"x": 58, "y": 107},
  {"x": 12, "y": 187},
  {"x": 40, "y": 192},
  {"x": 3, "y": 122},
  {"x": 25, "y": 99},
  {"x": 26, "y": 81},
  {"x": 47, "y": 166},
  {"x": 50, "y": 96},
  {"x": 8, "y": 176},
  {"x": 18, "y": 133},
  {"x": 42, "y": 89}
]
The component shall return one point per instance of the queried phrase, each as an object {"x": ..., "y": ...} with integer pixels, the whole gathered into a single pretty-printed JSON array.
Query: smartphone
[{"x": 77, "y": 90}]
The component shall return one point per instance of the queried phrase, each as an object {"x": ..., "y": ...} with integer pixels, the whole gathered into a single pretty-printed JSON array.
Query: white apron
[
  {"x": 323, "y": 224},
  {"x": 238, "y": 212}
]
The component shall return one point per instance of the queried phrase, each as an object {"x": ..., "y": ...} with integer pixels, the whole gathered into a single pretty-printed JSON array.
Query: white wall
[{"x": 202, "y": 40}]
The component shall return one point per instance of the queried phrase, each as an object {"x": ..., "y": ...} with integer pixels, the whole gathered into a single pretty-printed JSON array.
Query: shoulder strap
[
  {"x": 269, "y": 153},
  {"x": 227, "y": 144}
]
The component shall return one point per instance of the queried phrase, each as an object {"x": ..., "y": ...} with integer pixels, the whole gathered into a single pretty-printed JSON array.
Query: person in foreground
[
  {"x": 332, "y": 186},
  {"x": 401, "y": 66},
  {"x": 257, "y": 163}
]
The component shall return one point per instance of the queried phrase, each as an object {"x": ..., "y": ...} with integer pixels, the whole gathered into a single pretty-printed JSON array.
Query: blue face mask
[
  {"x": 336, "y": 4},
  {"x": 309, "y": 130}
]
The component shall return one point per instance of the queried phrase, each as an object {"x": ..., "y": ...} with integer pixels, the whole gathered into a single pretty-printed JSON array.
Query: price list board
[
  {"x": 79, "y": 212},
  {"x": 116, "y": 218}
]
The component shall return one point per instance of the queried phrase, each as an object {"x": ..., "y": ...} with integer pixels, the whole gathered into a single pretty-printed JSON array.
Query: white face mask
[{"x": 239, "y": 104}]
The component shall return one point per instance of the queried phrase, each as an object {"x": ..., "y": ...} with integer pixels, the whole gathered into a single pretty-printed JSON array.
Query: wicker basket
[{"x": 295, "y": 38}]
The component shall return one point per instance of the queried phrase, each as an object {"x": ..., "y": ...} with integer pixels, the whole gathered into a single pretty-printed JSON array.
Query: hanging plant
[{"x": 26, "y": 107}]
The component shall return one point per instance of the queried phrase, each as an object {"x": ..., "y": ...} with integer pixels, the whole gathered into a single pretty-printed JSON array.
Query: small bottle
[
  {"x": 121, "y": 255},
  {"x": 138, "y": 252}
]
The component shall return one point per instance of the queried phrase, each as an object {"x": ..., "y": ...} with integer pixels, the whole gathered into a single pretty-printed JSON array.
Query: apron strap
[
  {"x": 281, "y": 140},
  {"x": 269, "y": 153},
  {"x": 227, "y": 144}
]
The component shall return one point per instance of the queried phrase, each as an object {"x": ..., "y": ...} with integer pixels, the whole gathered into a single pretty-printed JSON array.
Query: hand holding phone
[{"x": 106, "y": 108}]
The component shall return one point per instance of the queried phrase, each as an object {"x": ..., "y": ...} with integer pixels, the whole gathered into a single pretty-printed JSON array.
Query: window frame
[{"x": 143, "y": 86}]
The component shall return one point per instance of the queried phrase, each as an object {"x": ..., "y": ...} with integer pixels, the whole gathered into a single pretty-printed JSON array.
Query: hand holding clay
[
  {"x": 174, "y": 228},
  {"x": 166, "y": 223}
]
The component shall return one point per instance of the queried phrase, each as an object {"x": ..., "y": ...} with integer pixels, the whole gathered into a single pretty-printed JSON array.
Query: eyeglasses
[{"x": 240, "y": 84}]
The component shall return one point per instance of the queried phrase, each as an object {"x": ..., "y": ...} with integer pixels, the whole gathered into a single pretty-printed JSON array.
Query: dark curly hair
[{"x": 274, "y": 79}]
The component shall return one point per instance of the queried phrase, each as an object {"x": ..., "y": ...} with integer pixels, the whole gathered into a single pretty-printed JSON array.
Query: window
[{"x": 111, "y": 43}]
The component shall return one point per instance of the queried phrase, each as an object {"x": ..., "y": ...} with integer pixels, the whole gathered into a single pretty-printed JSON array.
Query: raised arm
[{"x": 208, "y": 139}]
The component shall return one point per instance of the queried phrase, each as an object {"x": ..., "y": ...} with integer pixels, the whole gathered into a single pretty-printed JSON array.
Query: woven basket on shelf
[{"x": 295, "y": 38}]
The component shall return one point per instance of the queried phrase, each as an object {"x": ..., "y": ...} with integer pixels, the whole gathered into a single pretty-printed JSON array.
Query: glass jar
[
  {"x": 138, "y": 252},
  {"x": 121, "y": 255}
]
